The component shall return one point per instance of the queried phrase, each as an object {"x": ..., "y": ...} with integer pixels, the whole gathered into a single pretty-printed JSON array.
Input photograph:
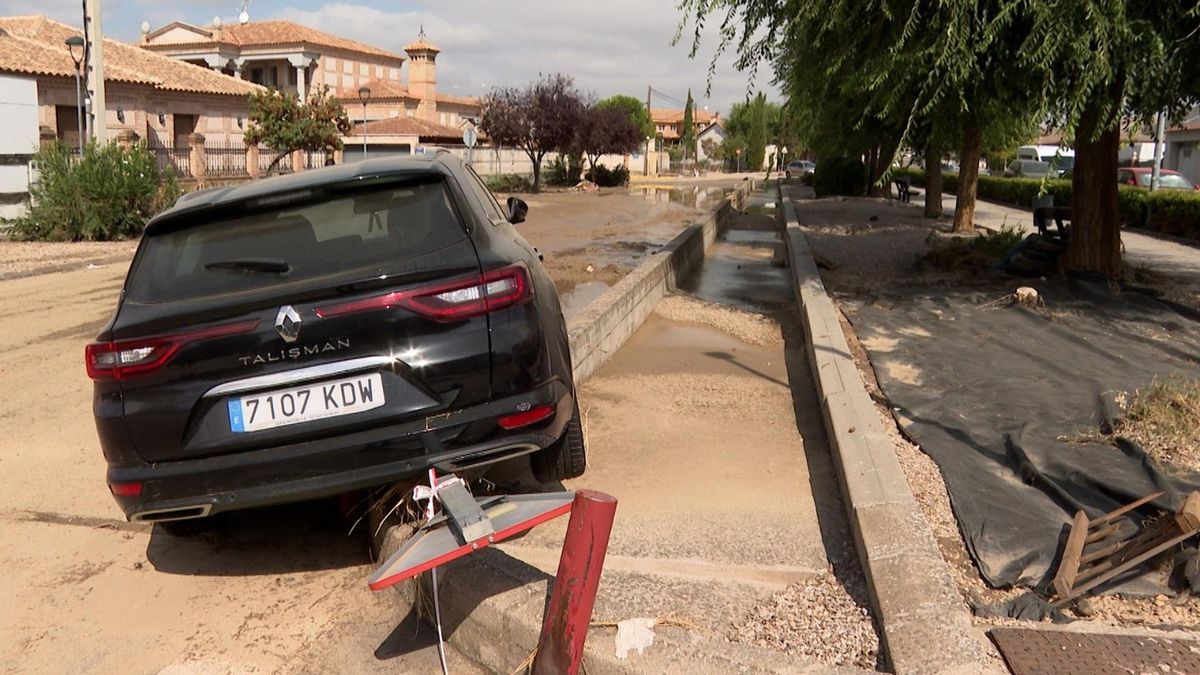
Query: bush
[
  {"x": 508, "y": 182},
  {"x": 561, "y": 172},
  {"x": 1175, "y": 212},
  {"x": 840, "y": 176},
  {"x": 606, "y": 177},
  {"x": 108, "y": 193}
]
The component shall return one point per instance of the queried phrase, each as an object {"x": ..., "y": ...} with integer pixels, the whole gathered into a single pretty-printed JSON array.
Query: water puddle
[
  {"x": 739, "y": 271},
  {"x": 701, "y": 197},
  {"x": 580, "y": 296}
]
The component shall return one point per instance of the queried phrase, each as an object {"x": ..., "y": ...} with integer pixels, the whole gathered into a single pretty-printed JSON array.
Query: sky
[{"x": 609, "y": 46}]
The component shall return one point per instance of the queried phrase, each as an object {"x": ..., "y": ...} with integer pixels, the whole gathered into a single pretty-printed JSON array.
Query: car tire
[
  {"x": 566, "y": 458},
  {"x": 190, "y": 527}
]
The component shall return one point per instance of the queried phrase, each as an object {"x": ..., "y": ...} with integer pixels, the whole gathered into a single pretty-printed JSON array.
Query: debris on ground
[
  {"x": 749, "y": 327},
  {"x": 585, "y": 186},
  {"x": 816, "y": 618},
  {"x": 1025, "y": 296},
  {"x": 964, "y": 252},
  {"x": 1164, "y": 419}
]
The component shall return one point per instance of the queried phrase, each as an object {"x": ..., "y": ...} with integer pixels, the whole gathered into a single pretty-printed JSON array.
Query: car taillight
[
  {"x": 120, "y": 359},
  {"x": 453, "y": 301},
  {"x": 133, "y": 489},
  {"x": 525, "y": 418}
]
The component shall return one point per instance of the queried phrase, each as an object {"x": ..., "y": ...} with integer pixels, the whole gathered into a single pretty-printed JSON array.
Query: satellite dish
[
  {"x": 145, "y": 27},
  {"x": 216, "y": 22},
  {"x": 244, "y": 17}
]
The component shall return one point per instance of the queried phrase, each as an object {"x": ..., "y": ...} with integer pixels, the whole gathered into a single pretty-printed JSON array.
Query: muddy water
[
  {"x": 580, "y": 296},
  {"x": 701, "y": 197},
  {"x": 720, "y": 467}
]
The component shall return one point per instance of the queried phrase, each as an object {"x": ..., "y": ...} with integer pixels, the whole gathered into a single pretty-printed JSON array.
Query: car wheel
[
  {"x": 190, "y": 527},
  {"x": 787, "y": 174},
  {"x": 566, "y": 458}
]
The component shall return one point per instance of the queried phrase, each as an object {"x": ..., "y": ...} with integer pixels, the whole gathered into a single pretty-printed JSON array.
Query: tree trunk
[
  {"x": 1095, "y": 241},
  {"x": 537, "y": 171},
  {"x": 872, "y": 160},
  {"x": 968, "y": 176},
  {"x": 883, "y": 161},
  {"x": 933, "y": 182}
]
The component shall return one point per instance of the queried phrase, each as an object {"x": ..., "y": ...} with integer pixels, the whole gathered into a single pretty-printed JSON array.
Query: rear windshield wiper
[{"x": 270, "y": 265}]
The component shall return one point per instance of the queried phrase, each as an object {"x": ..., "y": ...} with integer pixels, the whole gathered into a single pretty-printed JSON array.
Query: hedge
[
  {"x": 845, "y": 176},
  {"x": 1175, "y": 212}
]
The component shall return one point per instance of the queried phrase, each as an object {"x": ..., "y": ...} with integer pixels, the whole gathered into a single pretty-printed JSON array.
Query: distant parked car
[
  {"x": 1139, "y": 176},
  {"x": 800, "y": 167},
  {"x": 1026, "y": 168},
  {"x": 1061, "y": 160}
]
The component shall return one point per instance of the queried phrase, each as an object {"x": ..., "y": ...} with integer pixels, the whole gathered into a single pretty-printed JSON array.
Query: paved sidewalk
[{"x": 1156, "y": 253}]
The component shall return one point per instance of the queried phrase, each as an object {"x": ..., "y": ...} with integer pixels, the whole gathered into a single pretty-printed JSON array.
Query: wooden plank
[
  {"x": 1113, "y": 515},
  {"x": 1064, "y": 579},
  {"x": 1123, "y": 567},
  {"x": 1188, "y": 517},
  {"x": 1100, "y": 534}
]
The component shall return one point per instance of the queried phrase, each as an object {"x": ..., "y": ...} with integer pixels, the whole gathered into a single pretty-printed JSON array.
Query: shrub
[
  {"x": 840, "y": 176},
  {"x": 508, "y": 182},
  {"x": 108, "y": 193},
  {"x": 1175, "y": 212},
  {"x": 561, "y": 172},
  {"x": 606, "y": 177}
]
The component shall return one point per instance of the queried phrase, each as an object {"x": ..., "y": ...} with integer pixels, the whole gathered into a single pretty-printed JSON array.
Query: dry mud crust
[{"x": 25, "y": 258}]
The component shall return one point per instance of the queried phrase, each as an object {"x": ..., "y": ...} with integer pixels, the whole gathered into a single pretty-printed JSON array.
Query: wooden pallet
[{"x": 1095, "y": 553}]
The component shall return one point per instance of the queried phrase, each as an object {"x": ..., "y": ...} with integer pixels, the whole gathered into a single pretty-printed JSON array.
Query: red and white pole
[{"x": 560, "y": 648}]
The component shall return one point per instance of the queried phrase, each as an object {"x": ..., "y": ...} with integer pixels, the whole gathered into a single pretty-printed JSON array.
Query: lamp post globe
[{"x": 364, "y": 95}]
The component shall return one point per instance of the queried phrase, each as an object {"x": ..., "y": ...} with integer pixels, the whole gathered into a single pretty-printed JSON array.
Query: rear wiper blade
[{"x": 272, "y": 265}]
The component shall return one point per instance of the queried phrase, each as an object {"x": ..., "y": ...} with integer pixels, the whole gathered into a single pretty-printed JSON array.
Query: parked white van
[{"x": 1061, "y": 159}]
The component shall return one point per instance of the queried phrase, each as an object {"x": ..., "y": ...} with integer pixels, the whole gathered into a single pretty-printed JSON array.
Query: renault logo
[{"x": 287, "y": 322}]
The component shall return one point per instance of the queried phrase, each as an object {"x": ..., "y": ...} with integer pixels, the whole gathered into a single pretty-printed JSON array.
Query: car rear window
[
  {"x": 335, "y": 235},
  {"x": 1169, "y": 181}
]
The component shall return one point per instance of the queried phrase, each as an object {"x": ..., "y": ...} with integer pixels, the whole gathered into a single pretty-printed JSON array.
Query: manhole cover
[{"x": 1047, "y": 652}]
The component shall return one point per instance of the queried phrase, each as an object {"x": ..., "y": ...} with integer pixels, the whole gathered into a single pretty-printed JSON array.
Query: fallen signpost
[{"x": 470, "y": 523}]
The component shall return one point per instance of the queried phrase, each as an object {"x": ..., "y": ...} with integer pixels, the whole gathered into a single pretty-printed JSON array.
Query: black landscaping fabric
[{"x": 992, "y": 392}]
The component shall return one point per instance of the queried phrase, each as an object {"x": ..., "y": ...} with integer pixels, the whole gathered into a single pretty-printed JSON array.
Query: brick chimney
[{"x": 422, "y": 76}]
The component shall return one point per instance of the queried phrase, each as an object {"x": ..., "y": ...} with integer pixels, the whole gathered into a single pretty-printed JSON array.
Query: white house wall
[{"x": 19, "y": 110}]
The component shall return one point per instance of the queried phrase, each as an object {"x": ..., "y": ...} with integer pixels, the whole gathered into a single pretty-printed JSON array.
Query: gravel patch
[
  {"x": 749, "y": 327},
  {"x": 818, "y": 619},
  {"x": 27, "y": 258}
]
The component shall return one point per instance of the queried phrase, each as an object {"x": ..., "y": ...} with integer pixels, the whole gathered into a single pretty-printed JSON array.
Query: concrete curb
[
  {"x": 924, "y": 625},
  {"x": 600, "y": 330}
]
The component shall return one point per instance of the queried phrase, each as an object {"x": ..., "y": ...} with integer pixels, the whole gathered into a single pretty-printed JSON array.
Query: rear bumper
[{"x": 352, "y": 461}]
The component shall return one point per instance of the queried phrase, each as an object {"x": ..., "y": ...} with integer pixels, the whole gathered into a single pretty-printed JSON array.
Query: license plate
[{"x": 307, "y": 403}]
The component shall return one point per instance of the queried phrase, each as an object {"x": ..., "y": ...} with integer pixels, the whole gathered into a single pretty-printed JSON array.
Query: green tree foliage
[
  {"x": 687, "y": 134},
  {"x": 279, "y": 121},
  {"x": 635, "y": 109},
  {"x": 539, "y": 118},
  {"x": 108, "y": 193},
  {"x": 960, "y": 67},
  {"x": 749, "y": 128},
  {"x": 605, "y": 130}
]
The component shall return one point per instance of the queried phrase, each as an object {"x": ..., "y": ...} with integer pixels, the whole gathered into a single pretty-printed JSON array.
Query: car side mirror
[{"x": 517, "y": 208}]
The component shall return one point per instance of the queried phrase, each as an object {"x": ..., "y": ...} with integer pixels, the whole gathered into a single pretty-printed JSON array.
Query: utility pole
[
  {"x": 649, "y": 139},
  {"x": 1158, "y": 150},
  {"x": 93, "y": 34}
]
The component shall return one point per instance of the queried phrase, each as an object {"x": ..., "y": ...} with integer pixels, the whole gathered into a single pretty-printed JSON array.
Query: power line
[{"x": 670, "y": 99}]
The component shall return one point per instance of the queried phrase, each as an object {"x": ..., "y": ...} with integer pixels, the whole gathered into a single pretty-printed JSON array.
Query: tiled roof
[
  {"x": 273, "y": 33},
  {"x": 460, "y": 100},
  {"x": 422, "y": 46},
  {"x": 675, "y": 115},
  {"x": 407, "y": 126},
  {"x": 33, "y": 45},
  {"x": 380, "y": 89}
]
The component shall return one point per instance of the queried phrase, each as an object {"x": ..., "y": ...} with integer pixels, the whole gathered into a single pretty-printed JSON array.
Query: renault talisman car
[{"x": 328, "y": 331}]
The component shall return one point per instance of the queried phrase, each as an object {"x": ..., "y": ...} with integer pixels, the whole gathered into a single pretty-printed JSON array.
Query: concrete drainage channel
[
  {"x": 923, "y": 623},
  {"x": 493, "y": 601}
]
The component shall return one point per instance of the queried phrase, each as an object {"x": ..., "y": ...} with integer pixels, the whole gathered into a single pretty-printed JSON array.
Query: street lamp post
[
  {"x": 364, "y": 95},
  {"x": 738, "y": 168},
  {"x": 75, "y": 43}
]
